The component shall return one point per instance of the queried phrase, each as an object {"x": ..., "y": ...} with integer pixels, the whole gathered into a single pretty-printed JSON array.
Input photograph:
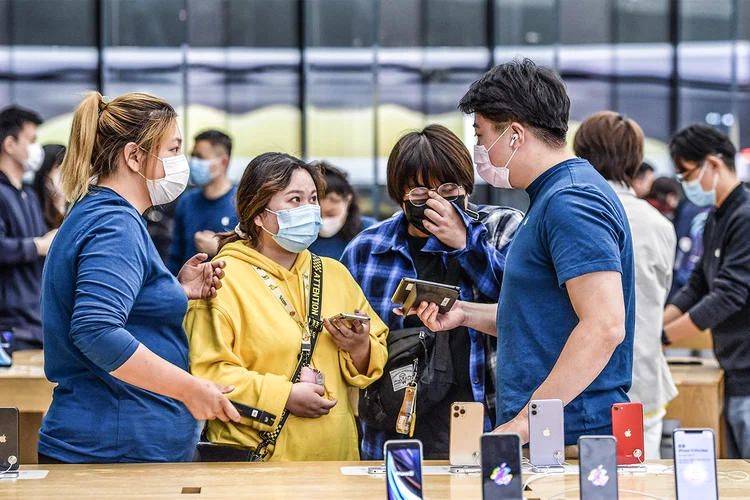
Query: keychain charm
[{"x": 408, "y": 413}]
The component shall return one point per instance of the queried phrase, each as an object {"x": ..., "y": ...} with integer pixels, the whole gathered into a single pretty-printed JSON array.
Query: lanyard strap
[
  {"x": 314, "y": 294},
  {"x": 304, "y": 327}
]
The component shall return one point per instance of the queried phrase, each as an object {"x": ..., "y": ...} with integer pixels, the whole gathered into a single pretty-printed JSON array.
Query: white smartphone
[
  {"x": 695, "y": 464},
  {"x": 546, "y": 432},
  {"x": 352, "y": 317}
]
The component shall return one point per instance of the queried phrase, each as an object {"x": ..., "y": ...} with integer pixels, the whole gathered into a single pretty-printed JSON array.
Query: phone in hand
[
  {"x": 411, "y": 292},
  {"x": 352, "y": 317},
  {"x": 501, "y": 467},
  {"x": 598, "y": 467},
  {"x": 627, "y": 428},
  {"x": 546, "y": 432},
  {"x": 403, "y": 469},
  {"x": 695, "y": 464},
  {"x": 467, "y": 426}
]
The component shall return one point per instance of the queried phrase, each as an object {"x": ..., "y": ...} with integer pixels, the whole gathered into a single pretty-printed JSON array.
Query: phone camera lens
[
  {"x": 533, "y": 412},
  {"x": 455, "y": 415},
  {"x": 533, "y": 407},
  {"x": 463, "y": 411},
  {"x": 617, "y": 408},
  {"x": 455, "y": 408}
]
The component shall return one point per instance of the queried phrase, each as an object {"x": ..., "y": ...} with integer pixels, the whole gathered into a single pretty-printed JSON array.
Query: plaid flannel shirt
[{"x": 378, "y": 258}]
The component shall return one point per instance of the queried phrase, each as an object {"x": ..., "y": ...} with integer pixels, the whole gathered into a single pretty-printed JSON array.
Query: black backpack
[{"x": 381, "y": 401}]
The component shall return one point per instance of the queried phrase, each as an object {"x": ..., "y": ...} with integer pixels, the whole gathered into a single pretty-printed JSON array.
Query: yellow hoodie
[{"x": 244, "y": 337}]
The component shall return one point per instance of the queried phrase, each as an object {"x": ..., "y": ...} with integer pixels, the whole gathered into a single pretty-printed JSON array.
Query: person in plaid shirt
[{"x": 438, "y": 236}]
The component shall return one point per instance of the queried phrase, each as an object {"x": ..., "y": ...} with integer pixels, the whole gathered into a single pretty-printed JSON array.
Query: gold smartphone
[{"x": 467, "y": 427}]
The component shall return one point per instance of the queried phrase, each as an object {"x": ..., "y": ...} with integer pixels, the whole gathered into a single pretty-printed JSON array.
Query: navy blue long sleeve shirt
[
  {"x": 21, "y": 221},
  {"x": 105, "y": 291}
]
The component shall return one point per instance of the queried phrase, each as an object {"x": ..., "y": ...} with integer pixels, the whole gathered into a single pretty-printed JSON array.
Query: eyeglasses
[
  {"x": 682, "y": 176},
  {"x": 448, "y": 191}
]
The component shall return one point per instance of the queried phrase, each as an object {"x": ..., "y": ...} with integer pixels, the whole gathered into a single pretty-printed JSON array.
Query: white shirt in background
[{"x": 654, "y": 242}]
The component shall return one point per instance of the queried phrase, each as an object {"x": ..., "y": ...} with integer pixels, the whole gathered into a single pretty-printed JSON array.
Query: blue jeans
[{"x": 737, "y": 416}]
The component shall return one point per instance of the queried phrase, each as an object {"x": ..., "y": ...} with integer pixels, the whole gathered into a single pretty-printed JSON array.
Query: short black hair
[
  {"x": 216, "y": 138},
  {"x": 13, "y": 119},
  {"x": 521, "y": 91},
  {"x": 695, "y": 142},
  {"x": 643, "y": 170}
]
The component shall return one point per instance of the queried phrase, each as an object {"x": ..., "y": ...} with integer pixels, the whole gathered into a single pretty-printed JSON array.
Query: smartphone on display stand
[
  {"x": 501, "y": 467},
  {"x": 546, "y": 433},
  {"x": 6, "y": 347},
  {"x": 695, "y": 464},
  {"x": 598, "y": 467},
  {"x": 627, "y": 428},
  {"x": 467, "y": 426},
  {"x": 403, "y": 469},
  {"x": 9, "y": 443}
]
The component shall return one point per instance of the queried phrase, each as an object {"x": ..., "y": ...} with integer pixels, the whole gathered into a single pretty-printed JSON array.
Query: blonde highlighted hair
[{"x": 101, "y": 130}]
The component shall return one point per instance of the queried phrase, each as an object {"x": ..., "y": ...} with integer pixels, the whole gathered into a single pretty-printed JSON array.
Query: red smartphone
[{"x": 627, "y": 428}]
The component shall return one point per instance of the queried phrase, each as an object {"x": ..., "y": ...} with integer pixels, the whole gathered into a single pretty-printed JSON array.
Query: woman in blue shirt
[{"x": 112, "y": 312}]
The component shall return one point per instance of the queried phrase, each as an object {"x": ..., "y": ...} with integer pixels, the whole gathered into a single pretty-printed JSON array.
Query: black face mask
[{"x": 416, "y": 217}]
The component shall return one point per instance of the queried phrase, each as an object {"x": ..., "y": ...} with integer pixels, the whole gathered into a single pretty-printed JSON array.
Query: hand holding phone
[{"x": 411, "y": 292}]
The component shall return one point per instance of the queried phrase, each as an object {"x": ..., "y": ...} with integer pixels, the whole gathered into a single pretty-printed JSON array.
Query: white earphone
[{"x": 513, "y": 139}]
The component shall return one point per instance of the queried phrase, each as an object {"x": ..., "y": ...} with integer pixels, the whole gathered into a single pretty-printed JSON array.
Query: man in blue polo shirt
[{"x": 566, "y": 315}]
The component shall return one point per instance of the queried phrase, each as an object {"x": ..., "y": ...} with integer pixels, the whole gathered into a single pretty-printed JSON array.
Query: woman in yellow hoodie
[{"x": 251, "y": 334}]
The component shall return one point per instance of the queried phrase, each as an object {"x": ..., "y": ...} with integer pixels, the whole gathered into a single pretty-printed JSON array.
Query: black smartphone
[
  {"x": 6, "y": 347},
  {"x": 254, "y": 413},
  {"x": 8, "y": 439},
  {"x": 598, "y": 467},
  {"x": 403, "y": 469},
  {"x": 501, "y": 467},
  {"x": 695, "y": 464}
]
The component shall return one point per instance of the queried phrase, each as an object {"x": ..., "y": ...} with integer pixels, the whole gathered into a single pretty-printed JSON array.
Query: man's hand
[
  {"x": 206, "y": 242},
  {"x": 518, "y": 425},
  {"x": 43, "y": 243},
  {"x": 444, "y": 221}
]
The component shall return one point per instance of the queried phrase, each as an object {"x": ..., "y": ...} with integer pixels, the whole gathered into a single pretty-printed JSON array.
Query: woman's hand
[
  {"x": 307, "y": 401},
  {"x": 355, "y": 339},
  {"x": 201, "y": 279},
  {"x": 206, "y": 400}
]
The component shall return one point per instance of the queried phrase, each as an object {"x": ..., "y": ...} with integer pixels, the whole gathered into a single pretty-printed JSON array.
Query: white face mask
[
  {"x": 332, "y": 225},
  {"x": 170, "y": 187},
  {"x": 34, "y": 157},
  {"x": 498, "y": 177}
]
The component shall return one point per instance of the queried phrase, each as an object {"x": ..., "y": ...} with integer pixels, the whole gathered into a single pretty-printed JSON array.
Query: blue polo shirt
[
  {"x": 575, "y": 225},
  {"x": 196, "y": 213},
  {"x": 105, "y": 291}
]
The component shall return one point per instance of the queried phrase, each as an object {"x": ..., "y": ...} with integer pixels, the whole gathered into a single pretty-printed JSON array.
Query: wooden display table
[
  {"x": 24, "y": 386},
  {"x": 700, "y": 403},
  {"x": 308, "y": 480}
]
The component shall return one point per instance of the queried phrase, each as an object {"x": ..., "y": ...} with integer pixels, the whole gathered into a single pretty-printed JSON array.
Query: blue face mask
[
  {"x": 298, "y": 227},
  {"x": 200, "y": 171},
  {"x": 695, "y": 193}
]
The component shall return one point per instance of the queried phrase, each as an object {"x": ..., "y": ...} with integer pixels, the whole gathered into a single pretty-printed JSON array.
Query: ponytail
[
  {"x": 75, "y": 171},
  {"x": 101, "y": 131}
]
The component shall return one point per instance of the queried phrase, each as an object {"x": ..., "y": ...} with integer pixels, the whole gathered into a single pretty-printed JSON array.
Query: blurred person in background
[
  {"x": 613, "y": 144},
  {"x": 24, "y": 236},
  {"x": 717, "y": 295},
  {"x": 689, "y": 222},
  {"x": 342, "y": 218},
  {"x": 643, "y": 180},
  {"x": 210, "y": 209},
  {"x": 665, "y": 196},
  {"x": 437, "y": 236},
  {"x": 48, "y": 188}
]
